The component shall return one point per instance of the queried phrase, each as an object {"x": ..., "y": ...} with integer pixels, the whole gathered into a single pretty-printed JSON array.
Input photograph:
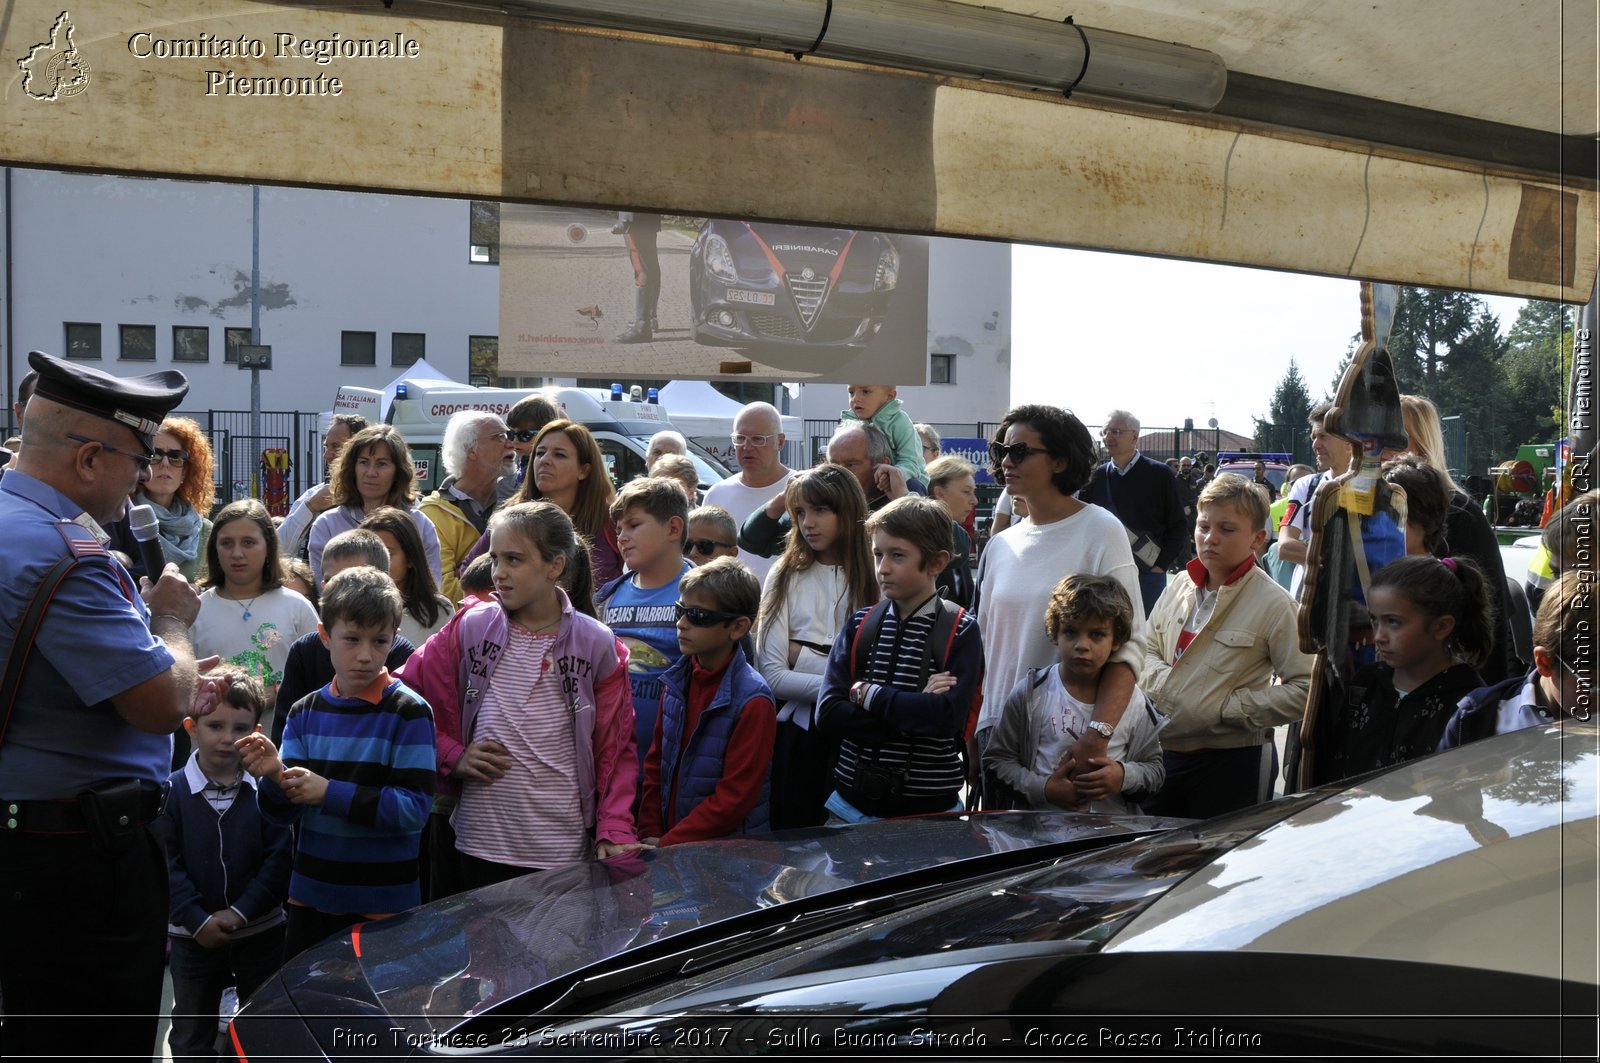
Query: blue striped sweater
[{"x": 357, "y": 852}]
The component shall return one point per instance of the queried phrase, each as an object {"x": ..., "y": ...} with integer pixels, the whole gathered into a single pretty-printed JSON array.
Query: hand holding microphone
[{"x": 166, "y": 592}]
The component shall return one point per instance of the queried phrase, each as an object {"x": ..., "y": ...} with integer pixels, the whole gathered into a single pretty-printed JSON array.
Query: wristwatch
[
  {"x": 1101, "y": 727},
  {"x": 858, "y": 692}
]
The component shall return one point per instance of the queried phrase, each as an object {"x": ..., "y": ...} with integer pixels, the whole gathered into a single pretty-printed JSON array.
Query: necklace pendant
[{"x": 247, "y": 614}]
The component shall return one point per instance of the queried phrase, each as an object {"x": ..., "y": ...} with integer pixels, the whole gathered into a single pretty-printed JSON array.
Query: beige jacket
[{"x": 1220, "y": 694}]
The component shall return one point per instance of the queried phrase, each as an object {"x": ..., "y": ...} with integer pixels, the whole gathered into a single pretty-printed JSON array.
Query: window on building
[
  {"x": 232, "y": 340},
  {"x": 407, "y": 348},
  {"x": 942, "y": 369},
  {"x": 483, "y": 361},
  {"x": 483, "y": 236},
  {"x": 358, "y": 348},
  {"x": 83, "y": 340},
  {"x": 138, "y": 343},
  {"x": 191, "y": 343}
]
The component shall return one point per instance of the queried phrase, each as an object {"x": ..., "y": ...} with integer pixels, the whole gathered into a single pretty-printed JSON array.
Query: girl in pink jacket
[{"x": 533, "y": 712}]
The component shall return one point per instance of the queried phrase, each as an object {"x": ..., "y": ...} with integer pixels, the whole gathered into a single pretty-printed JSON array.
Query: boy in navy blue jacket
[
  {"x": 902, "y": 735},
  {"x": 228, "y": 869}
]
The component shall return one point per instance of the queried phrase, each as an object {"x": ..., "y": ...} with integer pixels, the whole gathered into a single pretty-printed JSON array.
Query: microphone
[{"x": 147, "y": 531}]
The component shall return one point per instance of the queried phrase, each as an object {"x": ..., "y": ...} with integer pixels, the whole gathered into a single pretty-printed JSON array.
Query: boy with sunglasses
[
  {"x": 708, "y": 771},
  {"x": 712, "y": 534}
]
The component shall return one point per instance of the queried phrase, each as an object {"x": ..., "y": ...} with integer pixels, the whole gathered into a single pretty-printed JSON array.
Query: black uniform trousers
[{"x": 82, "y": 945}]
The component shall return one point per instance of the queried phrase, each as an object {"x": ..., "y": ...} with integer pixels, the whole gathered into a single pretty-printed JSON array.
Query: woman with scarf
[{"x": 180, "y": 490}]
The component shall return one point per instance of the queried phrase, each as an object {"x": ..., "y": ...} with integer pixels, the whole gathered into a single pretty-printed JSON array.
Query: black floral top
[{"x": 1377, "y": 727}]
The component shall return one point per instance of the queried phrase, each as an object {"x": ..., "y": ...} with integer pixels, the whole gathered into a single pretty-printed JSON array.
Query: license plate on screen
[{"x": 739, "y": 295}]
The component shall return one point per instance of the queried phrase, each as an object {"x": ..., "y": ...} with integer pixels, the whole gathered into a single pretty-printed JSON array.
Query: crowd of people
[{"x": 392, "y": 698}]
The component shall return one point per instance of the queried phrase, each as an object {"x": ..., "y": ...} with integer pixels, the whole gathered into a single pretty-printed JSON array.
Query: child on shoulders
[
  {"x": 901, "y": 734},
  {"x": 876, "y": 404},
  {"x": 1089, "y": 618},
  {"x": 708, "y": 769},
  {"x": 1218, "y": 635},
  {"x": 356, "y": 771}
]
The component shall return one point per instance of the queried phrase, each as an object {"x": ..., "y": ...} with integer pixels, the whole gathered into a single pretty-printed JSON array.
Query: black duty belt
[{"x": 67, "y": 816}]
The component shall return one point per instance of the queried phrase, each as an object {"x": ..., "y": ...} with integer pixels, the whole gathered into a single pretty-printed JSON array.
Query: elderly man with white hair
[
  {"x": 758, "y": 445},
  {"x": 665, "y": 441},
  {"x": 476, "y": 452},
  {"x": 1143, "y": 494}
]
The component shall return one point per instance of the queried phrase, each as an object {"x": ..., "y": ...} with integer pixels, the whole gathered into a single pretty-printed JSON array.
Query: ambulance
[{"x": 622, "y": 421}]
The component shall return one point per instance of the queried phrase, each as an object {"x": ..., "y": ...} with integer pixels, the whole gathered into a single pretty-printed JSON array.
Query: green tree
[
  {"x": 1472, "y": 386},
  {"x": 1428, "y": 324},
  {"x": 1285, "y": 426},
  {"x": 1538, "y": 362}
]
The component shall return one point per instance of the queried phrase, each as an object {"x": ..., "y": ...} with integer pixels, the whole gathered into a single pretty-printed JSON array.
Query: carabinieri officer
[{"x": 85, "y": 729}]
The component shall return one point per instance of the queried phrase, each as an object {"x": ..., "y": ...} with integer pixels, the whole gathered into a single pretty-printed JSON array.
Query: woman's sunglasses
[
  {"x": 699, "y": 617},
  {"x": 1017, "y": 452}
]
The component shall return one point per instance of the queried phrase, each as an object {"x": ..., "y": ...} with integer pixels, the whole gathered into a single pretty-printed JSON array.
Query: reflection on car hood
[
  {"x": 459, "y": 957},
  {"x": 1483, "y": 856}
]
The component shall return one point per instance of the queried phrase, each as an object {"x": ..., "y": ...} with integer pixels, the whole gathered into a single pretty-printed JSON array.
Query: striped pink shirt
[{"x": 531, "y": 816}]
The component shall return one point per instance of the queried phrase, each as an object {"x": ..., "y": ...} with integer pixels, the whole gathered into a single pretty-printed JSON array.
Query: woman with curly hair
[
  {"x": 372, "y": 471},
  {"x": 1044, "y": 456},
  {"x": 568, "y": 469},
  {"x": 181, "y": 490}
]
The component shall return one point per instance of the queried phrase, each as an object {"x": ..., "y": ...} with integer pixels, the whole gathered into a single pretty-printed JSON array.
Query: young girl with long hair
[
  {"x": 540, "y": 743},
  {"x": 1432, "y": 628},
  {"x": 823, "y": 576},
  {"x": 372, "y": 471},
  {"x": 247, "y": 616},
  {"x": 426, "y": 610}
]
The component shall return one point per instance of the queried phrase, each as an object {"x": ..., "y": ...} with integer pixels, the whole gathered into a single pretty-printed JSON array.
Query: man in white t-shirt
[{"x": 758, "y": 444}]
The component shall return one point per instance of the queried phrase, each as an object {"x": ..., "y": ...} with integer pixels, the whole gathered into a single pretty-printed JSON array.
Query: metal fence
[{"x": 249, "y": 466}]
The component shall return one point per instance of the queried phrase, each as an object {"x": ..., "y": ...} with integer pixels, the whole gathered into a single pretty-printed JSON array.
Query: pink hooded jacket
[{"x": 452, "y": 671}]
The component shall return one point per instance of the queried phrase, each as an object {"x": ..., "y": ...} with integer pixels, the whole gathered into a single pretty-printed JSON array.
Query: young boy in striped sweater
[
  {"x": 902, "y": 735},
  {"x": 356, "y": 771}
]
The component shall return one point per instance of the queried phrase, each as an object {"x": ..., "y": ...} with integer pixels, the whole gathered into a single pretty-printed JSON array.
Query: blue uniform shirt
[{"x": 94, "y": 643}]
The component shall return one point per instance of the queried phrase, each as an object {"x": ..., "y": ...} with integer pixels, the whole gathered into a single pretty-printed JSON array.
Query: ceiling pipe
[{"x": 940, "y": 37}]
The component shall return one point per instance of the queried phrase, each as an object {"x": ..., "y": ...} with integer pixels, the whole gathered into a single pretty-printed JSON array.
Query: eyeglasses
[
  {"x": 176, "y": 458},
  {"x": 704, "y": 546},
  {"x": 1116, "y": 431},
  {"x": 699, "y": 617},
  {"x": 524, "y": 435},
  {"x": 754, "y": 441},
  {"x": 143, "y": 461},
  {"x": 1017, "y": 452}
]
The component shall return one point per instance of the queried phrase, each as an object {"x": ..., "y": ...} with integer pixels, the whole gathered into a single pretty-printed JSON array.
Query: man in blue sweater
[{"x": 1143, "y": 494}]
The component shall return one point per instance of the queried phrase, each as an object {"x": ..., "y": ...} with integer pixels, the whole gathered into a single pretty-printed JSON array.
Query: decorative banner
[
  {"x": 633, "y": 295},
  {"x": 974, "y": 450}
]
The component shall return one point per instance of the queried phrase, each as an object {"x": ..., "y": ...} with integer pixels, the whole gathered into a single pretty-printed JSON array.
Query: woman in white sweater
[
  {"x": 1043, "y": 455},
  {"x": 824, "y": 575}
]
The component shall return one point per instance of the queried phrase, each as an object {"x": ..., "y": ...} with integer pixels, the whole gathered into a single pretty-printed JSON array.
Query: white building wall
[{"x": 116, "y": 250}]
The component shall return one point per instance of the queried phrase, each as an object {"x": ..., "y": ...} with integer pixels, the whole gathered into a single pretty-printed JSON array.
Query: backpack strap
[{"x": 867, "y": 630}]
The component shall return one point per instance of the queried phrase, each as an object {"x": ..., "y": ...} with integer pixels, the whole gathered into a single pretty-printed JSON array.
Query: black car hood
[{"x": 429, "y": 969}]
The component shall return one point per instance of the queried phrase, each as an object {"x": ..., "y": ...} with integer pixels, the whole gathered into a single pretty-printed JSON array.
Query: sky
[{"x": 1165, "y": 340}]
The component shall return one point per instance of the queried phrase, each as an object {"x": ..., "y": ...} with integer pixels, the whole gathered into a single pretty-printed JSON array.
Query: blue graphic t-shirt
[{"x": 646, "y": 622}]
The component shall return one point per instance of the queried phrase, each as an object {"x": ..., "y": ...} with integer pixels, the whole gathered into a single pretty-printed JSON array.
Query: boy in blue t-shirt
[{"x": 651, "y": 515}]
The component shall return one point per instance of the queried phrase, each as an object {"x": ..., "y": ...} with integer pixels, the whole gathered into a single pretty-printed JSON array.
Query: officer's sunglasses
[{"x": 143, "y": 461}]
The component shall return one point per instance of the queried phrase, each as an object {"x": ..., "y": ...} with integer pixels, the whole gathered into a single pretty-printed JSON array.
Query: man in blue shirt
[{"x": 86, "y": 744}]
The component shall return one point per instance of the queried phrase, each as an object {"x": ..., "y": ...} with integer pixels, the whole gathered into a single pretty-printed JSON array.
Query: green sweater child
[{"x": 876, "y": 404}]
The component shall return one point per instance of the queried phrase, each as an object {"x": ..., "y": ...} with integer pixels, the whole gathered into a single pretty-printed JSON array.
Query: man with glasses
[
  {"x": 475, "y": 452},
  {"x": 758, "y": 441},
  {"x": 86, "y": 745},
  {"x": 1143, "y": 494}
]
